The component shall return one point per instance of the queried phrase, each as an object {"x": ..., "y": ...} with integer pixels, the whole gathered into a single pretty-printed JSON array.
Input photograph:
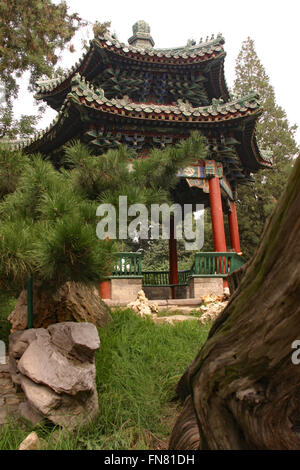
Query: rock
[
  {"x": 62, "y": 409},
  {"x": 18, "y": 317},
  {"x": 19, "y": 342},
  {"x": 14, "y": 372},
  {"x": 28, "y": 412},
  {"x": 80, "y": 340},
  {"x": 211, "y": 312},
  {"x": 46, "y": 364},
  {"x": 72, "y": 302},
  {"x": 142, "y": 306},
  {"x": 31, "y": 442},
  {"x": 57, "y": 373},
  {"x": 40, "y": 397}
]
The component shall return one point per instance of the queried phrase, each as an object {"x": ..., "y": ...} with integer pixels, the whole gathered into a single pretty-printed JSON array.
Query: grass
[
  {"x": 196, "y": 312},
  {"x": 138, "y": 366}
]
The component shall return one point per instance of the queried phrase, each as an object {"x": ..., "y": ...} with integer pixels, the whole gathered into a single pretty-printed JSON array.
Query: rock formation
[
  {"x": 142, "y": 306},
  {"x": 72, "y": 302},
  {"x": 55, "y": 368}
]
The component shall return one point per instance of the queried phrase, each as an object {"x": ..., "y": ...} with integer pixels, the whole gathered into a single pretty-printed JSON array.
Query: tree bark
[{"x": 242, "y": 389}]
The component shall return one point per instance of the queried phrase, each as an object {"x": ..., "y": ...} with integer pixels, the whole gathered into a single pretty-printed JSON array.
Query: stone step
[{"x": 167, "y": 303}]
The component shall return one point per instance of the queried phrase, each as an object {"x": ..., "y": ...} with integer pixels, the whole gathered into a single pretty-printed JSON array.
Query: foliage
[
  {"x": 44, "y": 230},
  {"x": 257, "y": 201},
  {"x": 101, "y": 28},
  {"x": 48, "y": 223},
  {"x": 138, "y": 366},
  {"x": 7, "y": 304},
  {"x": 11, "y": 167},
  {"x": 29, "y": 43}
]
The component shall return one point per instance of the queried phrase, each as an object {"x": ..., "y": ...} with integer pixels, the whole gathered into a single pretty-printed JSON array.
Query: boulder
[
  {"x": 56, "y": 372},
  {"x": 45, "y": 363},
  {"x": 71, "y": 302},
  {"x": 18, "y": 343},
  {"x": 31, "y": 442}
]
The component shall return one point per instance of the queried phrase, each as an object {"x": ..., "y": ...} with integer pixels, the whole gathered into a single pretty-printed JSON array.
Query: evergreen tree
[
  {"x": 48, "y": 217},
  {"x": 274, "y": 132},
  {"x": 32, "y": 32}
]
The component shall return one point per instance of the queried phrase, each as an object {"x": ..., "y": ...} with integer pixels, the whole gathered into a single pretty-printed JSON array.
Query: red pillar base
[{"x": 104, "y": 289}]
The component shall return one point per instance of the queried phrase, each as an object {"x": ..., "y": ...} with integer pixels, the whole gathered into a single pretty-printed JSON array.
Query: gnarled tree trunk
[{"x": 243, "y": 391}]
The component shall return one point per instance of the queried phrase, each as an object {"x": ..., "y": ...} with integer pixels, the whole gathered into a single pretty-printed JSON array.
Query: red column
[
  {"x": 234, "y": 228},
  {"x": 216, "y": 209},
  {"x": 105, "y": 285},
  {"x": 173, "y": 262},
  {"x": 104, "y": 289},
  {"x": 217, "y": 214}
]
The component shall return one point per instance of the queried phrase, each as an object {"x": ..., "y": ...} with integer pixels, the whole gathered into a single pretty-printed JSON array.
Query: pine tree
[
  {"x": 257, "y": 201},
  {"x": 48, "y": 217}
]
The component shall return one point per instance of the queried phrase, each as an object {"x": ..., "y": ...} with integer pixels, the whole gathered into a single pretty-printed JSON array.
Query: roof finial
[{"x": 141, "y": 35}]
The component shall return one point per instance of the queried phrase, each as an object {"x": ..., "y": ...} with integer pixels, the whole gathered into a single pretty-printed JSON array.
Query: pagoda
[{"x": 146, "y": 97}]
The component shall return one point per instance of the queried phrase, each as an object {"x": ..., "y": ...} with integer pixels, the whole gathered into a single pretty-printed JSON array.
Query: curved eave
[
  {"x": 249, "y": 148},
  {"x": 84, "y": 102},
  {"x": 102, "y": 50}
]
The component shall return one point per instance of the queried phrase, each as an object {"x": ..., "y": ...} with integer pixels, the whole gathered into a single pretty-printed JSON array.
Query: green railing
[
  {"x": 156, "y": 278},
  {"x": 162, "y": 278},
  {"x": 205, "y": 265},
  {"x": 216, "y": 264},
  {"x": 126, "y": 265}
]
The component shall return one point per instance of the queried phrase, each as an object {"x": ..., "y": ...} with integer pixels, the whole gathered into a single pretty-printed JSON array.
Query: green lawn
[{"x": 138, "y": 366}]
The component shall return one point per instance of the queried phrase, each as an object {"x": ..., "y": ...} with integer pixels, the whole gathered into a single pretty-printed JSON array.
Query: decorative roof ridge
[
  {"x": 251, "y": 100},
  {"x": 215, "y": 44},
  {"x": 219, "y": 40}
]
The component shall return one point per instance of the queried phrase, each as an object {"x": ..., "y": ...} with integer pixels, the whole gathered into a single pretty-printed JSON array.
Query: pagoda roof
[
  {"x": 208, "y": 55},
  {"x": 84, "y": 102}
]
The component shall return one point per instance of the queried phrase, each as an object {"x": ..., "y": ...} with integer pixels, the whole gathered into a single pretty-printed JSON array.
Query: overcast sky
[{"x": 273, "y": 24}]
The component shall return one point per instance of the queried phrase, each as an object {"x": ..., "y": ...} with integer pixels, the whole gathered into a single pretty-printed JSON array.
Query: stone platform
[{"x": 185, "y": 305}]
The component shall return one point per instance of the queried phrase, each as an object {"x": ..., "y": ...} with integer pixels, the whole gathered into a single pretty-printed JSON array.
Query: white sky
[{"x": 273, "y": 24}]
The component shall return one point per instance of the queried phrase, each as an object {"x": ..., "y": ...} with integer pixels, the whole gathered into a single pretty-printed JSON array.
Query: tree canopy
[
  {"x": 274, "y": 131},
  {"x": 32, "y": 32}
]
